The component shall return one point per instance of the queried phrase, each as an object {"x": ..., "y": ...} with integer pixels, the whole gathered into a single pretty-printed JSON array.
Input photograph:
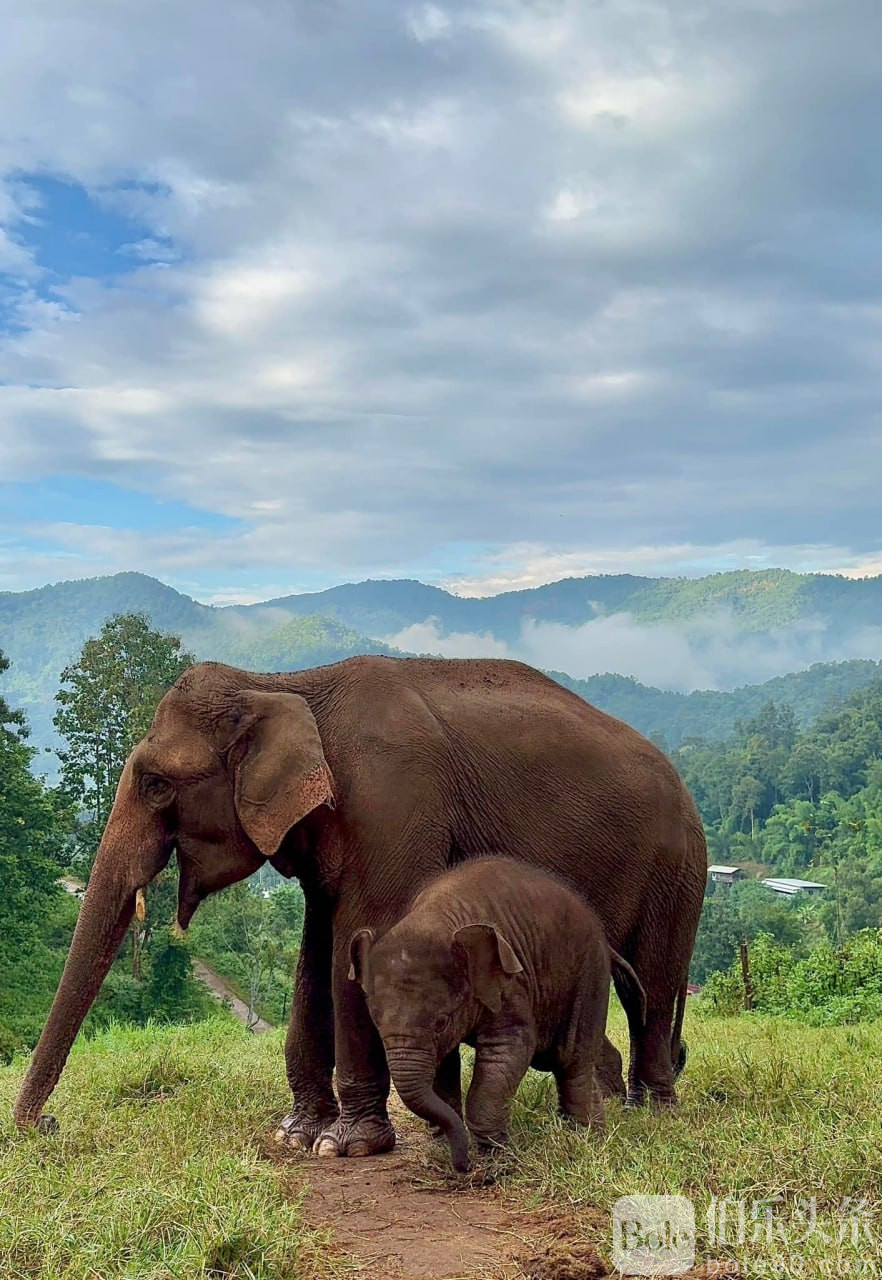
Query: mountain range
[{"x": 675, "y": 657}]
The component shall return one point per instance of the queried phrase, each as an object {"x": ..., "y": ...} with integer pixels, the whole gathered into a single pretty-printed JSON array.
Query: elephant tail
[
  {"x": 630, "y": 991},
  {"x": 678, "y": 1045}
]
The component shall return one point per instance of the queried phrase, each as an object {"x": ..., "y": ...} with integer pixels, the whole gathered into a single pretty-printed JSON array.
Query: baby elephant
[{"x": 498, "y": 955}]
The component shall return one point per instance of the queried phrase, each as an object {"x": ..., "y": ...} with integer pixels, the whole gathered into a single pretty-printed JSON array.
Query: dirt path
[
  {"x": 405, "y": 1217},
  {"x": 219, "y": 989}
]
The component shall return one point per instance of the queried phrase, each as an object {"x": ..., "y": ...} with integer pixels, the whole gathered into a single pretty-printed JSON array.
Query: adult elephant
[{"x": 363, "y": 779}]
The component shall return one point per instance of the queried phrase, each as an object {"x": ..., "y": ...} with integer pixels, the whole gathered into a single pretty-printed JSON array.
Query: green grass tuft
[
  {"x": 768, "y": 1109},
  {"x": 158, "y": 1172}
]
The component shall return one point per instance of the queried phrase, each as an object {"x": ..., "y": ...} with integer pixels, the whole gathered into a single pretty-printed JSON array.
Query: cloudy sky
[{"x": 301, "y": 291}]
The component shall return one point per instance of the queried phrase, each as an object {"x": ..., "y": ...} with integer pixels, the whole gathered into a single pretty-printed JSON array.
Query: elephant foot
[
  {"x": 488, "y": 1143},
  {"x": 299, "y": 1129},
  {"x": 608, "y": 1069},
  {"x": 369, "y": 1136},
  {"x": 661, "y": 1099}
]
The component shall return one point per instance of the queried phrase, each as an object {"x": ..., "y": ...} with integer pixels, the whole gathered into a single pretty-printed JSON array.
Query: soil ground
[{"x": 404, "y": 1216}]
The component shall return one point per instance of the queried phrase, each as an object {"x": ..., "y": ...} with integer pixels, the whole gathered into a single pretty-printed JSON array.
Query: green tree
[
  {"x": 253, "y": 941},
  {"x": 719, "y": 932},
  {"x": 171, "y": 994},
  {"x": 33, "y": 830},
  {"x": 105, "y": 705}
]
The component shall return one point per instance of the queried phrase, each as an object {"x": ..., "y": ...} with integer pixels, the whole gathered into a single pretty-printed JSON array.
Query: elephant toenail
[
  {"x": 298, "y": 1140},
  {"x": 326, "y": 1147}
]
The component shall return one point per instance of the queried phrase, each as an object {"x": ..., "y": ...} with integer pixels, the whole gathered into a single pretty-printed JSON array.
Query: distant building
[
  {"x": 693, "y": 989},
  {"x": 725, "y": 875},
  {"x": 790, "y": 887}
]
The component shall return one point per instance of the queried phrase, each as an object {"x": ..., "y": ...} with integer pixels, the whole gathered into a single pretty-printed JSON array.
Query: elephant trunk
[
  {"x": 413, "y": 1072},
  {"x": 107, "y": 910}
]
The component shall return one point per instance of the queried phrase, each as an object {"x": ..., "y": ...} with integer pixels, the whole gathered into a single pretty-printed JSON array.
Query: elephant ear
[
  {"x": 282, "y": 775},
  {"x": 491, "y": 962},
  {"x": 359, "y": 956}
]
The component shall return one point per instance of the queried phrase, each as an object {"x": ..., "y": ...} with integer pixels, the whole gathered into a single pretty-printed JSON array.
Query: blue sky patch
[
  {"x": 73, "y": 233},
  {"x": 83, "y": 500}
]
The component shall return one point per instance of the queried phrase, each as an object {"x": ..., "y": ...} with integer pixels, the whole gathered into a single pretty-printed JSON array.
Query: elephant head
[
  {"x": 231, "y": 763},
  {"x": 423, "y": 991}
]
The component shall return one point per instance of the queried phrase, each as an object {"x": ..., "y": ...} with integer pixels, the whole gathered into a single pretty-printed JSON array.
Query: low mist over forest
[{"x": 676, "y": 657}]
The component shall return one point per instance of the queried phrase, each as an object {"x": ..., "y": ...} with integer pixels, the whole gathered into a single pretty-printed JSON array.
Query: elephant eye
[{"x": 157, "y": 790}]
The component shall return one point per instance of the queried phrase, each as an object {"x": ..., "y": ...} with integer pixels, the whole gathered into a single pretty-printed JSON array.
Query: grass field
[{"x": 160, "y": 1170}]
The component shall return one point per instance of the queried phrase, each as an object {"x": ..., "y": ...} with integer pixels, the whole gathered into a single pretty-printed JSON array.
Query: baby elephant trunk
[{"x": 413, "y": 1073}]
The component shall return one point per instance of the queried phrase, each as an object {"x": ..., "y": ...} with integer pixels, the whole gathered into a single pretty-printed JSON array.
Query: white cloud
[
  {"x": 568, "y": 204},
  {"x": 419, "y": 286},
  {"x": 428, "y": 23}
]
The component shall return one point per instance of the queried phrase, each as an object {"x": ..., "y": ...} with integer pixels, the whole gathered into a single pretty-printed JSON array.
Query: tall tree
[{"x": 105, "y": 705}]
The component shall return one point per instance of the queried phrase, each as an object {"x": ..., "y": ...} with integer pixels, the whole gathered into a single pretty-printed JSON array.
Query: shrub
[{"x": 826, "y": 985}]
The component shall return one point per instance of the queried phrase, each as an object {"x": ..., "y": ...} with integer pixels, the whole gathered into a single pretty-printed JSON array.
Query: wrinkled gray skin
[{"x": 503, "y": 957}]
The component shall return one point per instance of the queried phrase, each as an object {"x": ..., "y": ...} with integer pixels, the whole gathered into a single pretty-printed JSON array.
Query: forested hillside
[
  {"x": 42, "y": 630},
  {"x": 758, "y": 599},
  {"x": 670, "y": 718},
  {"x": 777, "y": 799}
]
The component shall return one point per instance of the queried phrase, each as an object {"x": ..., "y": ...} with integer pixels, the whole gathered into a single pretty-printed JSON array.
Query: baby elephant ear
[
  {"x": 282, "y": 775},
  {"x": 359, "y": 954},
  {"x": 491, "y": 962}
]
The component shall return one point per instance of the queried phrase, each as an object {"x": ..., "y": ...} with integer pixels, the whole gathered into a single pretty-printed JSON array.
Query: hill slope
[
  {"x": 41, "y": 631},
  {"x": 757, "y": 599},
  {"x": 164, "y": 1168},
  {"x": 712, "y": 713}
]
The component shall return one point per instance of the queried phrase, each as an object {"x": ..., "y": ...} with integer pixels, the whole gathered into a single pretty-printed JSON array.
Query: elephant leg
[
  {"x": 650, "y": 1074},
  {"x": 501, "y": 1063},
  {"x": 309, "y": 1047},
  {"x": 579, "y": 1096},
  {"x": 660, "y": 957},
  {"x": 580, "y": 1048},
  {"x": 609, "y": 1071},
  {"x": 362, "y": 1127}
]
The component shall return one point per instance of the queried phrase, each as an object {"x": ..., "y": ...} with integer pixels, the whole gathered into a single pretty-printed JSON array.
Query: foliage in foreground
[
  {"x": 157, "y": 1173},
  {"x": 826, "y": 985},
  {"x": 30, "y": 971}
]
